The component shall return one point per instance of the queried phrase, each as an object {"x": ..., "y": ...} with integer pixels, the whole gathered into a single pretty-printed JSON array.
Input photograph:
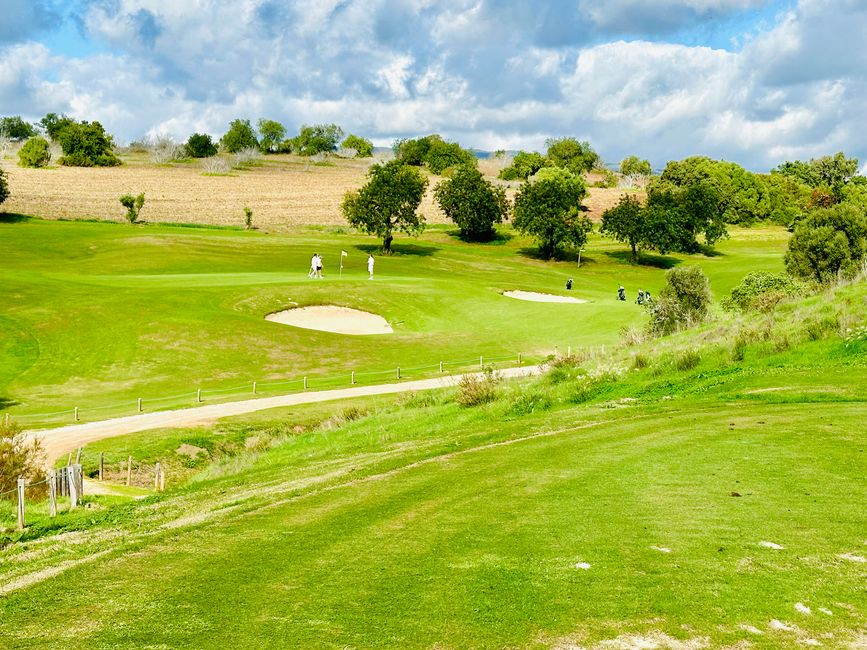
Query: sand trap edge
[
  {"x": 333, "y": 319},
  {"x": 535, "y": 296}
]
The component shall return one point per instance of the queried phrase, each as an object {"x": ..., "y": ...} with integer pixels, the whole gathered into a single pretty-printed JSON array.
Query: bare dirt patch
[
  {"x": 331, "y": 318},
  {"x": 535, "y": 296}
]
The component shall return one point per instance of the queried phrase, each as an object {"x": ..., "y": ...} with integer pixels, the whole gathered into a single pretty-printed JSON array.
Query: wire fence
[{"x": 258, "y": 388}]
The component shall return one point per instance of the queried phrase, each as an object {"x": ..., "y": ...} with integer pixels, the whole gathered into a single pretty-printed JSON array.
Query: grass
[
  {"x": 99, "y": 315},
  {"x": 419, "y": 522}
]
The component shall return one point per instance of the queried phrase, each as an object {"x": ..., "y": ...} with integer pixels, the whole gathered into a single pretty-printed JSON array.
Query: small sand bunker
[
  {"x": 534, "y": 296},
  {"x": 330, "y": 318}
]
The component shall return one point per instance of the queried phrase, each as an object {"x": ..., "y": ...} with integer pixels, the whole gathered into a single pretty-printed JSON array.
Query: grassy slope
[
  {"x": 418, "y": 526},
  {"x": 99, "y": 314}
]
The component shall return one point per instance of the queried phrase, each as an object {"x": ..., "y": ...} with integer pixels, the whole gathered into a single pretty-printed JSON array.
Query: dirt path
[{"x": 64, "y": 439}]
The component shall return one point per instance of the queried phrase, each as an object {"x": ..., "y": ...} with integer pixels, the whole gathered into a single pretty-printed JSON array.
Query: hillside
[{"x": 704, "y": 490}]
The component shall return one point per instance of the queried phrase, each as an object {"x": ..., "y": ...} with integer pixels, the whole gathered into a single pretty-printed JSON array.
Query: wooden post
[
  {"x": 198, "y": 394},
  {"x": 78, "y": 456},
  {"x": 520, "y": 358},
  {"x": 254, "y": 387},
  {"x": 75, "y": 413},
  {"x": 69, "y": 459},
  {"x": 52, "y": 493},
  {"x": 481, "y": 362},
  {"x": 157, "y": 476},
  {"x": 73, "y": 488},
  {"x": 441, "y": 366},
  {"x": 139, "y": 405},
  {"x": 398, "y": 372},
  {"x": 101, "y": 464},
  {"x": 128, "y": 470},
  {"x": 21, "y": 522},
  {"x": 305, "y": 382}
]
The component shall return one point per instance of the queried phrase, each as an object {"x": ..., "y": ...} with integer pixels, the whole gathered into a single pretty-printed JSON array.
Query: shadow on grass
[
  {"x": 496, "y": 239},
  {"x": 12, "y": 217},
  {"x": 6, "y": 403},
  {"x": 709, "y": 251},
  {"x": 645, "y": 259},
  {"x": 399, "y": 249},
  {"x": 562, "y": 256}
]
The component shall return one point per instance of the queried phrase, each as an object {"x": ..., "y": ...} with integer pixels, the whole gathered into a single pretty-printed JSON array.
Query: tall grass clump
[
  {"x": 475, "y": 390},
  {"x": 19, "y": 458},
  {"x": 530, "y": 399},
  {"x": 683, "y": 302}
]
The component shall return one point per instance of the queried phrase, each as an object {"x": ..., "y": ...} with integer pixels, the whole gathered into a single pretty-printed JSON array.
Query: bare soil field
[{"x": 283, "y": 192}]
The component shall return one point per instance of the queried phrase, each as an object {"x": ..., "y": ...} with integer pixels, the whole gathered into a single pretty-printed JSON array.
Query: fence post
[
  {"x": 101, "y": 464},
  {"x": 520, "y": 358},
  {"x": 128, "y": 470},
  {"x": 481, "y": 362},
  {"x": 69, "y": 459},
  {"x": 352, "y": 378},
  {"x": 78, "y": 456},
  {"x": 398, "y": 372},
  {"x": 569, "y": 351},
  {"x": 441, "y": 366},
  {"x": 21, "y": 522},
  {"x": 162, "y": 481},
  {"x": 254, "y": 387},
  {"x": 305, "y": 382},
  {"x": 139, "y": 405},
  {"x": 52, "y": 493},
  {"x": 157, "y": 476},
  {"x": 73, "y": 488},
  {"x": 198, "y": 394}
]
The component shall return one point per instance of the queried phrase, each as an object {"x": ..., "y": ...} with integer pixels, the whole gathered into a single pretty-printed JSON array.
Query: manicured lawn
[{"x": 96, "y": 315}]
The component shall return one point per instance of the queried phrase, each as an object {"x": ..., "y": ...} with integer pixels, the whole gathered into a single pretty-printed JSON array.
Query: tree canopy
[
  {"x": 433, "y": 152},
  {"x": 473, "y": 203},
  {"x": 53, "y": 124},
  {"x": 272, "y": 134},
  {"x": 831, "y": 173},
  {"x": 85, "y": 144},
  {"x": 675, "y": 216},
  {"x": 388, "y": 202},
  {"x": 548, "y": 207},
  {"x": 635, "y": 166},
  {"x": 34, "y": 153},
  {"x": 362, "y": 146},
  {"x": 626, "y": 222},
  {"x": 523, "y": 166},
  {"x": 318, "y": 138},
  {"x": 827, "y": 243},
  {"x": 15, "y": 128},
  {"x": 569, "y": 153},
  {"x": 239, "y": 136},
  {"x": 200, "y": 145}
]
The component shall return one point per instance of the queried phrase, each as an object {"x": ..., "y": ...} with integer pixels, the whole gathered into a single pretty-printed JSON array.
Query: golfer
[
  {"x": 370, "y": 266},
  {"x": 318, "y": 265},
  {"x": 313, "y": 263}
]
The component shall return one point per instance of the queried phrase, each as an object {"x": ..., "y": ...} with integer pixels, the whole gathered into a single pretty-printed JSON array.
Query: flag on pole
[{"x": 342, "y": 255}]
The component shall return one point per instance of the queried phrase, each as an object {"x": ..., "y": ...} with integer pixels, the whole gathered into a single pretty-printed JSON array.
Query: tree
[
  {"x": 53, "y": 124},
  {"x": 683, "y": 301},
  {"x": 239, "y": 136},
  {"x": 34, "y": 153},
  {"x": 523, "y": 166},
  {"x": 133, "y": 205},
  {"x": 4, "y": 187},
  {"x": 577, "y": 157},
  {"x": 828, "y": 243},
  {"x": 626, "y": 222},
  {"x": 635, "y": 166},
  {"x": 200, "y": 145},
  {"x": 272, "y": 133},
  {"x": 548, "y": 207},
  {"x": 677, "y": 215},
  {"x": 434, "y": 152},
  {"x": 319, "y": 138},
  {"x": 387, "y": 202},
  {"x": 86, "y": 144},
  {"x": 413, "y": 152},
  {"x": 363, "y": 147},
  {"x": 15, "y": 128},
  {"x": 831, "y": 172},
  {"x": 473, "y": 203}
]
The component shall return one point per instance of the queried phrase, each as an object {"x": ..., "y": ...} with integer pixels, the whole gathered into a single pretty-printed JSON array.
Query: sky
[{"x": 752, "y": 81}]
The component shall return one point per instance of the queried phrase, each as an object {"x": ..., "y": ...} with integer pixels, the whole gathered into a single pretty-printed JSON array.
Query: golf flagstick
[{"x": 342, "y": 255}]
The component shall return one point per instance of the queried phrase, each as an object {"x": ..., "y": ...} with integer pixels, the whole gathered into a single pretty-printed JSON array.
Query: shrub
[
  {"x": 248, "y": 218},
  {"x": 200, "y": 145},
  {"x": 363, "y": 147},
  {"x": 4, "y": 187},
  {"x": 474, "y": 390},
  {"x": 609, "y": 179},
  {"x": 762, "y": 291},
  {"x": 133, "y": 205},
  {"x": 682, "y": 303},
  {"x": 827, "y": 244},
  {"x": 215, "y": 165},
  {"x": 34, "y": 153},
  {"x": 19, "y": 458},
  {"x": 687, "y": 360},
  {"x": 85, "y": 144},
  {"x": 530, "y": 399}
]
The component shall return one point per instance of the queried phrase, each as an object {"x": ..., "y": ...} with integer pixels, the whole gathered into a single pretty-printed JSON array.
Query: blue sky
[{"x": 746, "y": 80}]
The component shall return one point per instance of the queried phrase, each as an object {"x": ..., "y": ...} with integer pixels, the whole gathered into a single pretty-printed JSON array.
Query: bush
[
  {"x": 682, "y": 303},
  {"x": 762, "y": 291},
  {"x": 4, "y": 187},
  {"x": 19, "y": 458},
  {"x": 34, "y": 153},
  {"x": 474, "y": 390},
  {"x": 523, "y": 166},
  {"x": 133, "y": 205},
  {"x": 248, "y": 218},
  {"x": 319, "y": 138},
  {"x": 86, "y": 144},
  {"x": 687, "y": 360},
  {"x": 363, "y": 147},
  {"x": 200, "y": 145},
  {"x": 530, "y": 399},
  {"x": 827, "y": 244},
  {"x": 215, "y": 165}
]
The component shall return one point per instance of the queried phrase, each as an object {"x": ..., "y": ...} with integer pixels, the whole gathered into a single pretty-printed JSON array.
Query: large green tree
[
  {"x": 362, "y": 146},
  {"x": 86, "y": 144},
  {"x": 635, "y": 166},
  {"x": 676, "y": 216},
  {"x": 53, "y": 124},
  {"x": 272, "y": 134},
  {"x": 524, "y": 165},
  {"x": 15, "y": 128},
  {"x": 548, "y": 207},
  {"x": 473, "y": 203},
  {"x": 318, "y": 138},
  {"x": 433, "y": 152},
  {"x": 388, "y": 202},
  {"x": 626, "y": 222},
  {"x": 240, "y": 136},
  {"x": 833, "y": 173},
  {"x": 569, "y": 153},
  {"x": 828, "y": 243}
]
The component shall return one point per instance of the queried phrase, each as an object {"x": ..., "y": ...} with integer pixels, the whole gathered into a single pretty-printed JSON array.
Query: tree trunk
[
  {"x": 386, "y": 243},
  {"x": 634, "y": 252}
]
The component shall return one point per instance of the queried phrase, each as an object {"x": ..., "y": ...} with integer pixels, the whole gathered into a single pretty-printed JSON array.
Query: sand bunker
[
  {"x": 534, "y": 296},
  {"x": 329, "y": 318}
]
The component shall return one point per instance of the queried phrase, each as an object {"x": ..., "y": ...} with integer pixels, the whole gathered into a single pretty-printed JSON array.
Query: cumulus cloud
[
  {"x": 21, "y": 19},
  {"x": 492, "y": 75}
]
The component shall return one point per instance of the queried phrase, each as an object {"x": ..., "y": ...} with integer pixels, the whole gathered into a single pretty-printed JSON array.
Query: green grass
[
  {"x": 427, "y": 524},
  {"x": 96, "y": 315}
]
